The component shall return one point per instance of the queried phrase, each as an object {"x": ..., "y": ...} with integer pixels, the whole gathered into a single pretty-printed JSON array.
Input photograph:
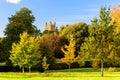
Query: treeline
[{"x": 24, "y": 45}]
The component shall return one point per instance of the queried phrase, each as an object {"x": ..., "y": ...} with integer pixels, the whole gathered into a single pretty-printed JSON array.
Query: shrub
[{"x": 112, "y": 69}]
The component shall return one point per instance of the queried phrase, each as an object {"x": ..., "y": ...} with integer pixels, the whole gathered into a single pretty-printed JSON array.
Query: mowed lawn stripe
[{"x": 61, "y": 75}]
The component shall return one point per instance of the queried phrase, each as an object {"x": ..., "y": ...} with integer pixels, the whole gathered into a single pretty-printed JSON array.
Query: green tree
[
  {"x": 21, "y": 21},
  {"x": 1, "y": 51},
  {"x": 97, "y": 46},
  {"x": 25, "y": 53},
  {"x": 78, "y": 30},
  {"x": 69, "y": 50},
  {"x": 44, "y": 64}
]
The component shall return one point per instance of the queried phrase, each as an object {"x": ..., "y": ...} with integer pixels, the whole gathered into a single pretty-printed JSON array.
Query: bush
[
  {"x": 58, "y": 66},
  {"x": 112, "y": 69},
  {"x": 9, "y": 69}
]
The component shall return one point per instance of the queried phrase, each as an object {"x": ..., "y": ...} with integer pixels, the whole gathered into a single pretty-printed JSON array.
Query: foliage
[
  {"x": 54, "y": 43},
  {"x": 115, "y": 12},
  {"x": 112, "y": 69},
  {"x": 21, "y": 21},
  {"x": 96, "y": 46},
  {"x": 79, "y": 32},
  {"x": 25, "y": 53},
  {"x": 69, "y": 56},
  {"x": 2, "y": 55},
  {"x": 44, "y": 64},
  {"x": 44, "y": 50},
  {"x": 48, "y": 32},
  {"x": 114, "y": 56}
]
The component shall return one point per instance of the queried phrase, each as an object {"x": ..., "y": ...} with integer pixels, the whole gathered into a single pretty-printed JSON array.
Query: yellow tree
[
  {"x": 69, "y": 50},
  {"x": 44, "y": 64},
  {"x": 115, "y": 15},
  {"x": 25, "y": 53}
]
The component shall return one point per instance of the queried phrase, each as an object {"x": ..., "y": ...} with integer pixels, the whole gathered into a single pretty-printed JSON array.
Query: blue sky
[{"x": 61, "y": 11}]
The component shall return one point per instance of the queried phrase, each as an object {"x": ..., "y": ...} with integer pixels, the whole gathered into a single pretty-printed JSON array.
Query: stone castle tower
[{"x": 50, "y": 26}]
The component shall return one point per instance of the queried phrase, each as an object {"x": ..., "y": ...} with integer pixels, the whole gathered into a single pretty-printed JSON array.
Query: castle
[{"x": 50, "y": 26}]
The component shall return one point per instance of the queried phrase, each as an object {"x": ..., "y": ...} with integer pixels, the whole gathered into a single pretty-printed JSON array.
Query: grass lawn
[{"x": 75, "y": 74}]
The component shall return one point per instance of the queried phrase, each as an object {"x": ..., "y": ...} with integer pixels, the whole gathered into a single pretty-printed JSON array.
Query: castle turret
[{"x": 50, "y": 26}]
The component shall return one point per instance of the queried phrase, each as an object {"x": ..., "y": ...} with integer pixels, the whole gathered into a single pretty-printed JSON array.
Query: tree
[
  {"x": 78, "y": 30},
  {"x": 54, "y": 43},
  {"x": 25, "y": 53},
  {"x": 115, "y": 15},
  {"x": 21, "y": 21},
  {"x": 44, "y": 64},
  {"x": 96, "y": 46},
  {"x": 69, "y": 50},
  {"x": 44, "y": 50},
  {"x": 115, "y": 48},
  {"x": 2, "y": 56},
  {"x": 114, "y": 56}
]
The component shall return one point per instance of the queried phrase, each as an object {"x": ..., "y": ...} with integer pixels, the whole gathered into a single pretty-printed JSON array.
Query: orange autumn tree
[
  {"x": 115, "y": 15},
  {"x": 115, "y": 53},
  {"x": 69, "y": 50}
]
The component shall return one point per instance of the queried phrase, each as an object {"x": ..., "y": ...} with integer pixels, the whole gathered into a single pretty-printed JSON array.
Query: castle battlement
[{"x": 50, "y": 26}]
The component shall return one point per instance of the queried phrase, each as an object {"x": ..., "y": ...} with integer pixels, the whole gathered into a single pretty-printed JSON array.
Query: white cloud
[{"x": 13, "y": 1}]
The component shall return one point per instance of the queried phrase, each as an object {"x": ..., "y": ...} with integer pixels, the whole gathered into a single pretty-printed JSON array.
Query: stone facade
[{"x": 50, "y": 26}]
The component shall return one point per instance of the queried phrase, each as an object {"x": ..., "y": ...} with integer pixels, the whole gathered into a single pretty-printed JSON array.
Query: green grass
[{"x": 75, "y": 74}]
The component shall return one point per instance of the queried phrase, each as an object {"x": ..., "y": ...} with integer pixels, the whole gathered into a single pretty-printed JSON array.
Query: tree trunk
[
  {"x": 102, "y": 69},
  {"x": 29, "y": 69},
  {"x": 23, "y": 69},
  {"x": 69, "y": 67}
]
